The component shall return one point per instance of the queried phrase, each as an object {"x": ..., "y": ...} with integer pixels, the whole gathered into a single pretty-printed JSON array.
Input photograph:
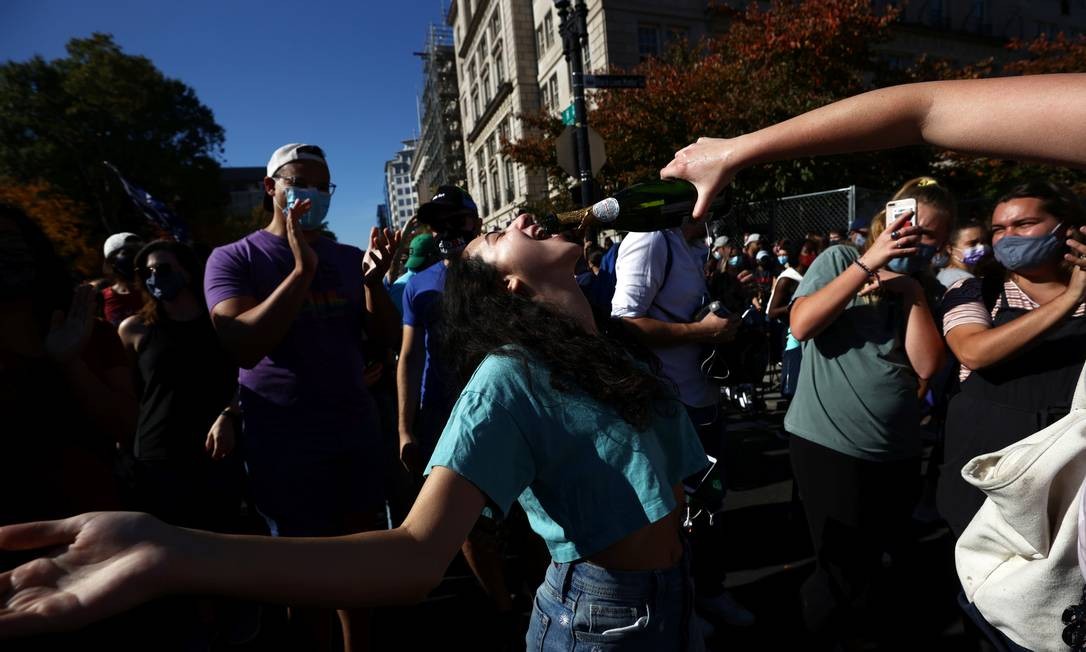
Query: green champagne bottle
[{"x": 650, "y": 206}]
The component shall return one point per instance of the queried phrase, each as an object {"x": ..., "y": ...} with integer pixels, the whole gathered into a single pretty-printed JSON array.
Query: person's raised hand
[
  {"x": 68, "y": 334},
  {"x": 1077, "y": 257},
  {"x": 898, "y": 239},
  {"x": 378, "y": 257},
  {"x": 305, "y": 259},
  {"x": 709, "y": 164}
]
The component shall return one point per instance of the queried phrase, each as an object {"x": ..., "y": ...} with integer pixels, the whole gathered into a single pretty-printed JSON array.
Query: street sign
[
  {"x": 566, "y": 148},
  {"x": 567, "y": 115},
  {"x": 614, "y": 81}
]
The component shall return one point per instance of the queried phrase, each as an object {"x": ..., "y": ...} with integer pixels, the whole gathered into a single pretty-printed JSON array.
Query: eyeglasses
[{"x": 302, "y": 182}]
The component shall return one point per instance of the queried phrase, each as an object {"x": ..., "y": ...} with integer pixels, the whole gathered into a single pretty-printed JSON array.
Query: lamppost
[{"x": 574, "y": 30}]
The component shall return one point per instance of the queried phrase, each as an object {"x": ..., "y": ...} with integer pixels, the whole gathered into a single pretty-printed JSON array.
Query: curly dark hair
[{"x": 481, "y": 317}]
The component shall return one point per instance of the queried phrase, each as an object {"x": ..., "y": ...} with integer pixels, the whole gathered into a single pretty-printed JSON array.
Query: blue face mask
[
  {"x": 318, "y": 208},
  {"x": 1022, "y": 252},
  {"x": 782, "y": 260},
  {"x": 940, "y": 260},
  {"x": 914, "y": 263},
  {"x": 165, "y": 286},
  {"x": 859, "y": 240},
  {"x": 735, "y": 261}
]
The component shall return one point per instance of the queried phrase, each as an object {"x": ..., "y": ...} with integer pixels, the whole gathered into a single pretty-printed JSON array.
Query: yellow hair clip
[{"x": 926, "y": 181}]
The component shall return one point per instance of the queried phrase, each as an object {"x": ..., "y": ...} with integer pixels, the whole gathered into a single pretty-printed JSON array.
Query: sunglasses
[{"x": 162, "y": 269}]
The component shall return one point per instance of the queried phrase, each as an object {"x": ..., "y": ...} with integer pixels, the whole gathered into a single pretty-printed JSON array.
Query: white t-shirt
[{"x": 642, "y": 291}]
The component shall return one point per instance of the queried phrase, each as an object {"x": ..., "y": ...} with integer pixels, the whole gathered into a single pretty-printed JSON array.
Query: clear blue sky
[{"x": 337, "y": 74}]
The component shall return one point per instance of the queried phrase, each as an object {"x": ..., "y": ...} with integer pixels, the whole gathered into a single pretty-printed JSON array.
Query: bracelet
[{"x": 865, "y": 268}]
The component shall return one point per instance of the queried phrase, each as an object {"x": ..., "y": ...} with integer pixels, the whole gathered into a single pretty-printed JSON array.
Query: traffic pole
[{"x": 574, "y": 30}]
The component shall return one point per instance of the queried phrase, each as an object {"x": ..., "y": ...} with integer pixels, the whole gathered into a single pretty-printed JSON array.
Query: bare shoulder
[{"x": 132, "y": 330}]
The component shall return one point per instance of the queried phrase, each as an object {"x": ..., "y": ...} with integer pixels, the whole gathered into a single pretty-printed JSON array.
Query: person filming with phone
[{"x": 869, "y": 338}]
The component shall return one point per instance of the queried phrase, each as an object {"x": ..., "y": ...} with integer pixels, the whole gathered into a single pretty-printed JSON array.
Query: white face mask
[{"x": 717, "y": 255}]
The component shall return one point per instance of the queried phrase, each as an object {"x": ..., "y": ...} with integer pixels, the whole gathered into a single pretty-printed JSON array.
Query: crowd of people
[{"x": 302, "y": 422}]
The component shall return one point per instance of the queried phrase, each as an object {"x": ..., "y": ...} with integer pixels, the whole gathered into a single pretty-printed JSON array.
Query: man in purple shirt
[{"x": 292, "y": 307}]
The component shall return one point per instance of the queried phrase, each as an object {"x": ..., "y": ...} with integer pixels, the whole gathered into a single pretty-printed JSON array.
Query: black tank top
[
  {"x": 186, "y": 379},
  {"x": 1005, "y": 403}
]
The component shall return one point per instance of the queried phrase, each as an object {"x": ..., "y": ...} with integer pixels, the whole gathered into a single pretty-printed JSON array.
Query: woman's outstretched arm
[
  {"x": 104, "y": 563},
  {"x": 1036, "y": 118}
]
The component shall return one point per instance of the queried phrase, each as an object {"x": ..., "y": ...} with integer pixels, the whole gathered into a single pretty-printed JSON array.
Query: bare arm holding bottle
[{"x": 1035, "y": 118}]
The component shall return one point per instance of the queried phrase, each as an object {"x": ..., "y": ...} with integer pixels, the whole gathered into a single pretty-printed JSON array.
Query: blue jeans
[{"x": 581, "y": 606}]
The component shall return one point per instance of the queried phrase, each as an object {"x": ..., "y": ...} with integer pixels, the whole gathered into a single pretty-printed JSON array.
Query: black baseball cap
[{"x": 449, "y": 201}]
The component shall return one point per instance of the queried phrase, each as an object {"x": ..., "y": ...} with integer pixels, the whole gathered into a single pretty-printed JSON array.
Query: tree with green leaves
[{"x": 60, "y": 119}]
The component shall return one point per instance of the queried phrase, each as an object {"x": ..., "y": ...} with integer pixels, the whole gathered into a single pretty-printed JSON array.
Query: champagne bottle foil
[{"x": 606, "y": 211}]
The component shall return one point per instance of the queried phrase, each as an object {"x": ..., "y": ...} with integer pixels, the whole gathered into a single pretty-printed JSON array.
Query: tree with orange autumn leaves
[
  {"x": 765, "y": 66},
  {"x": 60, "y": 218}
]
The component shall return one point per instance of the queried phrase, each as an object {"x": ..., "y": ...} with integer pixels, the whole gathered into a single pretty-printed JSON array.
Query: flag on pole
[{"x": 154, "y": 210}]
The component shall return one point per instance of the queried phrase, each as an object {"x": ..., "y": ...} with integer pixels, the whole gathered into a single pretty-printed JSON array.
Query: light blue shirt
[{"x": 584, "y": 476}]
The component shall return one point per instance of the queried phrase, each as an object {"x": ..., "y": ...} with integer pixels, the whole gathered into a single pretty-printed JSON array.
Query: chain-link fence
[{"x": 796, "y": 216}]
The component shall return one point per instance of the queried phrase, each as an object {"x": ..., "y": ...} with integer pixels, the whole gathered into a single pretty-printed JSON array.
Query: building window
[
  {"x": 648, "y": 41},
  {"x": 482, "y": 192},
  {"x": 482, "y": 45},
  {"x": 675, "y": 34},
  {"x": 490, "y": 147},
  {"x": 471, "y": 72},
  {"x": 495, "y": 189},
  {"x": 553, "y": 86},
  {"x": 510, "y": 182},
  {"x": 548, "y": 30},
  {"x": 495, "y": 23},
  {"x": 486, "y": 85},
  {"x": 586, "y": 56},
  {"x": 475, "y": 103},
  {"x": 545, "y": 96},
  {"x": 499, "y": 63},
  {"x": 503, "y": 130},
  {"x": 539, "y": 42}
]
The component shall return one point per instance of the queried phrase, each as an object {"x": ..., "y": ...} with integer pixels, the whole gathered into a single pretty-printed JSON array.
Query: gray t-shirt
[{"x": 857, "y": 391}]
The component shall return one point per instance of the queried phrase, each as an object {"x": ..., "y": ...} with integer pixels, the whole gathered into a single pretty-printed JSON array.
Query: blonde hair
[{"x": 926, "y": 190}]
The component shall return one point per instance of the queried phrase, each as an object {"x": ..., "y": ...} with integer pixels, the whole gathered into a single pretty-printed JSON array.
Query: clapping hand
[{"x": 305, "y": 259}]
